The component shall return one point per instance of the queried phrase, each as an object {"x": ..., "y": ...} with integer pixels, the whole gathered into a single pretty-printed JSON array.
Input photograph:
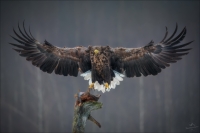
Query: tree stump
[{"x": 84, "y": 104}]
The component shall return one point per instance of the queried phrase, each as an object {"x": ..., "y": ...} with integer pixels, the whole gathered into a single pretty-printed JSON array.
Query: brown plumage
[{"x": 147, "y": 60}]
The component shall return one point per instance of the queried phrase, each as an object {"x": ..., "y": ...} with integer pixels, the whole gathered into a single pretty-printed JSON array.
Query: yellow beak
[{"x": 96, "y": 51}]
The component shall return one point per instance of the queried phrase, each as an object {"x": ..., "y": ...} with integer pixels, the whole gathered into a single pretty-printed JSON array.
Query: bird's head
[{"x": 96, "y": 51}]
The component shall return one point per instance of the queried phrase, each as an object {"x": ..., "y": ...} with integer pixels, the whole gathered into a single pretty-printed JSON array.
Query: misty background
[{"x": 34, "y": 101}]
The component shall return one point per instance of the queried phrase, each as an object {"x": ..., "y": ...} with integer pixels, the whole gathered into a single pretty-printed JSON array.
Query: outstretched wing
[
  {"x": 65, "y": 61},
  {"x": 150, "y": 59}
]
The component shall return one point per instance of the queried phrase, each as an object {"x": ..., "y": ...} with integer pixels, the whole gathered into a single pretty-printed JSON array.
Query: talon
[
  {"x": 91, "y": 86},
  {"x": 106, "y": 85}
]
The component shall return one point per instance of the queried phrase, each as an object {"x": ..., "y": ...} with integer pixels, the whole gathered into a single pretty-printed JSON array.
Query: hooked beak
[{"x": 96, "y": 51}]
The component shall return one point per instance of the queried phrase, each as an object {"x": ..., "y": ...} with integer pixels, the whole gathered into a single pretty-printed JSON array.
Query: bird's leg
[
  {"x": 106, "y": 85},
  {"x": 91, "y": 86}
]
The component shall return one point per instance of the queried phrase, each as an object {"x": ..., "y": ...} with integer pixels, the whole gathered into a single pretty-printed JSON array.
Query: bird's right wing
[{"x": 49, "y": 58}]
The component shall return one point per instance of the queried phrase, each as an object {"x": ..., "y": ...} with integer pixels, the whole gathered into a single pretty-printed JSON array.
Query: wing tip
[{"x": 18, "y": 50}]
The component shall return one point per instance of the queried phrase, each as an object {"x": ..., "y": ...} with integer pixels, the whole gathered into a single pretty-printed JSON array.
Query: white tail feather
[{"x": 100, "y": 87}]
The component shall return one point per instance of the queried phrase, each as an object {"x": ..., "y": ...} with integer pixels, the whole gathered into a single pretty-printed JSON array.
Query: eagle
[{"x": 103, "y": 66}]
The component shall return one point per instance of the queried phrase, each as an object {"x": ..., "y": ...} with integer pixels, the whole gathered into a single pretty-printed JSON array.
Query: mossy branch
[{"x": 85, "y": 103}]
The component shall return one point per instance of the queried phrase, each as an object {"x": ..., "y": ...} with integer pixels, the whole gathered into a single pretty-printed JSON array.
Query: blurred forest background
[{"x": 34, "y": 101}]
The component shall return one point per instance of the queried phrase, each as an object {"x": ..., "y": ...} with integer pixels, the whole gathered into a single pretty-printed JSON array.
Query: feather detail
[{"x": 100, "y": 87}]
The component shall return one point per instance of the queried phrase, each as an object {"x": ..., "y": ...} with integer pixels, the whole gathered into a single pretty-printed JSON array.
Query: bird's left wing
[
  {"x": 65, "y": 61},
  {"x": 150, "y": 59}
]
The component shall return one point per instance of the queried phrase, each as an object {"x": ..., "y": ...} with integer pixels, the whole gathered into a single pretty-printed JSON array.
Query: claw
[
  {"x": 106, "y": 85},
  {"x": 91, "y": 86}
]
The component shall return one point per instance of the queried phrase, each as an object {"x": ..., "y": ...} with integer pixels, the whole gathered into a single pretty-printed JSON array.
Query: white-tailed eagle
[{"x": 103, "y": 66}]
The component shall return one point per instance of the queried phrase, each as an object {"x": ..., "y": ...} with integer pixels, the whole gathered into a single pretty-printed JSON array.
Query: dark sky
[{"x": 32, "y": 100}]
